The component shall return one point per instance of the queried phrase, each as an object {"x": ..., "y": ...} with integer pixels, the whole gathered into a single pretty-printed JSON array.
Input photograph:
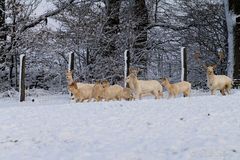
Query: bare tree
[
  {"x": 2, "y": 35},
  {"x": 140, "y": 24}
]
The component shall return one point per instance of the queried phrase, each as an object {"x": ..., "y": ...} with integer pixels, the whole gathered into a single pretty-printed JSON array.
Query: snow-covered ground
[{"x": 54, "y": 128}]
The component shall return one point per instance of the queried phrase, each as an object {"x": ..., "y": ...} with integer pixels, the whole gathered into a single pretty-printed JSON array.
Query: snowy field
[{"x": 54, "y": 128}]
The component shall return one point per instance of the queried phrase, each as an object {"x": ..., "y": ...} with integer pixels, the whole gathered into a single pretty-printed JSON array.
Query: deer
[
  {"x": 217, "y": 82},
  {"x": 97, "y": 92},
  {"x": 111, "y": 92},
  {"x": 70, "y": 80},
  {"x": 80, "y": 94},
  {"x": 134, "y": 71},
  {"x": 144, "y": 87},
  {"x": 127, "y": 94},
  {"x": 177, "y": 88}
]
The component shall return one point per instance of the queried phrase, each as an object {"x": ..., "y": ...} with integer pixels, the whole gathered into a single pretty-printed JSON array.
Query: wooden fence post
[
  {"x": 71, "y": 61},
  {"x": 184, "y": 64},
  {"x": 22, "y": 78},
  {"x": 126, "y": 65},
  {"x": 71, "y": 65}
]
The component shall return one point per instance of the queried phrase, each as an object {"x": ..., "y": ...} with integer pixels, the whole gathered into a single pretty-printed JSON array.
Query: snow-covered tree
[
  {"x": 232, "y": 10},
  {"x": 17, "y": 20}
]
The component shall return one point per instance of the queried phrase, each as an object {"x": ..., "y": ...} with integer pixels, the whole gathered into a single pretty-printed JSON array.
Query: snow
[
  {"x": 98, "y": 7},
  {"x": 201, "y": 127}
]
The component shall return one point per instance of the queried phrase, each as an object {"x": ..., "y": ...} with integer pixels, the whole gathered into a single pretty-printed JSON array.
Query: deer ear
[
  {"x": 132, "y": 75},
  {"x": 138, "y": 70},
  {"x": 205, "y": 66},
  {"x": 163, "y": 79},
  {"x": 214, "y": 66},
  {"x": 69, "y": 71},
  {"x": 104, "y": 81},
  {"x": 130, "y": 69}
]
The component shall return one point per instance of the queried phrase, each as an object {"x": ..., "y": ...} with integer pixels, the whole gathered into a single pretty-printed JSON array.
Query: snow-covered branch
[
  {"x": 170, "y": 26},
  {"x": 45, "y": 16}
]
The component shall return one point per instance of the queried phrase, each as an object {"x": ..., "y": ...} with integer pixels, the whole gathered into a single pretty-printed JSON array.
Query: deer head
[
  {"x": 134, "y": 71},
  {"x": 69, "y": 76},
  {"x": 164, "y": 81},
  {"x": 210, "y": 69},
  {"x": 105, "y": 83}
]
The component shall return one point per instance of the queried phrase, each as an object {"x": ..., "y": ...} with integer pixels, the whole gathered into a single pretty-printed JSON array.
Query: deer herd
[{"x": 138, "y": 88}]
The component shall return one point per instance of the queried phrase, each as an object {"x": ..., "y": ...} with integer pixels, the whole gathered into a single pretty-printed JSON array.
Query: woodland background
[{"x": 99, "y": 31}]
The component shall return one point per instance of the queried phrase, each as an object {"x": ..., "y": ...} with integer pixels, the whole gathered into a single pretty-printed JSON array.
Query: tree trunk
[
  {"x": 232, "y": 10},
  {"x": 2, "y": 34},
  {"x": 140, "y": 23},
  {"x": 14, "y": 45},
  {"x": 236, "y": 8},
  {"x": 108, "y": 43},
  {"x": 111, "y": 28},
  {"x": 2, "y": 18},
  {"x": 11, "y": 71}
]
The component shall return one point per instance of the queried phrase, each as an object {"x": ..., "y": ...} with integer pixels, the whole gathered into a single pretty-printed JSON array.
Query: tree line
[{"x": 99, "y": 31}]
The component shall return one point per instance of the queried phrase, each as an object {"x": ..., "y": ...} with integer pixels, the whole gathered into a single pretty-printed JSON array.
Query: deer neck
[
  {"x": 168, "y": 85},
  {"x": 70, "y": 81},
  {"x": 105, "y": 90},
  {"x": 210, "y": 77},
  {"x": 73, "y": 84},
  {"x": 136, "y": 83},
  {"x": 131, "y": 85}
]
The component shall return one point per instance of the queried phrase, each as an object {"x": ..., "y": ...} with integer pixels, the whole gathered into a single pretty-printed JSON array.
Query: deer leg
[
  {"x": 140, "y": 96},
  {"x": 99, "y": 99},
  {"x": 222, "y": 92},
  {"x": 160, "y": 94},
  {"x": 213, "y": 92},
  {"x": 228, "y": 90},
  {"x": 118, "y": 98},
  {"x": 155, "y": 93},
  {"x": 228, "y": 87},
  {"x": 169, "y": 95},
  {"x": 186, "y": 93},
  {"x": 175, "y": 95}
]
